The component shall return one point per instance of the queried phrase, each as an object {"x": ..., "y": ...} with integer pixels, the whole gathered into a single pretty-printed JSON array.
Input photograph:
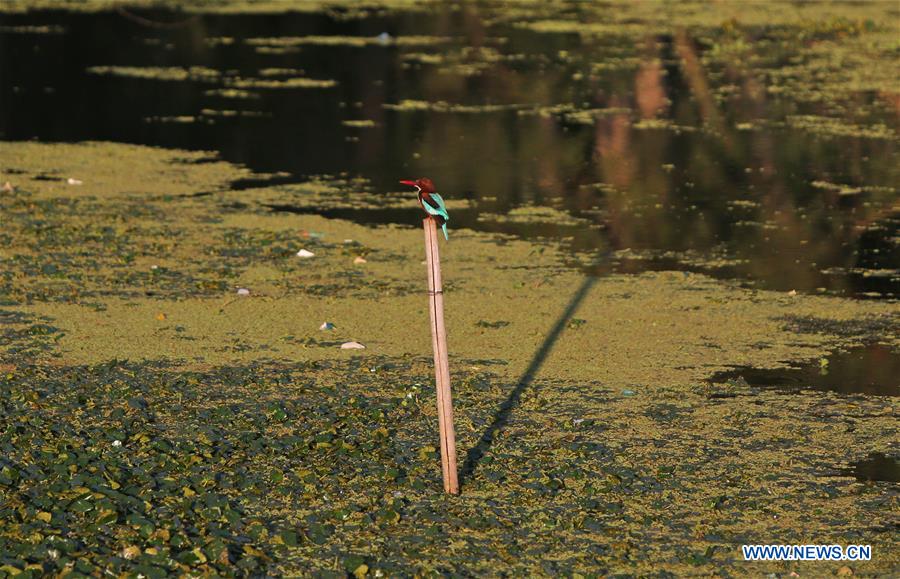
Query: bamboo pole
[{"x": 441, "y": 363}]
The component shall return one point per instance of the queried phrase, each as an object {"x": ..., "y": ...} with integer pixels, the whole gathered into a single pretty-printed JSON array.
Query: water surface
[
  {"x": 873, "y": 369},
  {"x": 665, "y": 158}
]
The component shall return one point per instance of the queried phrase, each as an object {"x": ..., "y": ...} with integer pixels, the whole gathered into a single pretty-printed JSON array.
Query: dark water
[
  {"x": 875, "y": 467},
  {"x": 729, "y": 202},
  {"x": 872, "y": 369}
]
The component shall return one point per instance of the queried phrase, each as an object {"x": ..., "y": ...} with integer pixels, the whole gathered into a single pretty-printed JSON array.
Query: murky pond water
[
  {"x": 876, "y": 467},
  {"x": 872, "y": 369},
  {"x": 659, "y": 152}
]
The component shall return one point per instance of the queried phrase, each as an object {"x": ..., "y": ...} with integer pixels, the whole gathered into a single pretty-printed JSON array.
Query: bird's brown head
[{"x": 424, "y": 184}]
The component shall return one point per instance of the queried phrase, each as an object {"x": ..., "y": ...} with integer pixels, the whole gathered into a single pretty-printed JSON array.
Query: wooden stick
[{"x": 441, "y": 362}]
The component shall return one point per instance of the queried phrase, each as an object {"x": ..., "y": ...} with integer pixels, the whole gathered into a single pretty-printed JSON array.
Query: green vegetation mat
[{"x": 156, "y": 423}]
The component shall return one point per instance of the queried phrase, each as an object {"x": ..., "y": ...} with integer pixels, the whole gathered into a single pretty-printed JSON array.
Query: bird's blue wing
[{"x": 441, "y": 208}]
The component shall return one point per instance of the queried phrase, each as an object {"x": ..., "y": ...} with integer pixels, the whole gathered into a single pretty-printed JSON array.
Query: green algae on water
[
  {"x": 348, "y": 8},
  {"x": 278, "y": 50},
  {"x": 359, "y": 124},
  {"x": 273, "y": 452},
  {"x": 177, "y": 119},
  {"x": 354, "y": 41},
  {"x": 217, "y": 41},
  {"x": 831, "y": 127},
  {"x": 288, "y": 83},
  {"x": 174, "y": 73},
  {"x": 203, "y": 74},
  {"x": 662, "y": 124},
  {"x": 533, "y": 214},
  {"x": 29, "y": 29},
  {"x": 231, "y": 93},
  {"x": 280, "y": 72},
  {"x": 233, "y": 113},
  {"x": 445, "y": 107}
]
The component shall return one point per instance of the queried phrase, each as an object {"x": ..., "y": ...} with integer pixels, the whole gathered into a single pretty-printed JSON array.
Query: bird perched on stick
[{"x": 431, "y": 202}]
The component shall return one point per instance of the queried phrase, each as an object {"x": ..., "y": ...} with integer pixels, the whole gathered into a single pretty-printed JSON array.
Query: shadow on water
[
  {"x": 875, "y": 467},
  {"x": 665, "y": 174},
  {"x": 475, "y": 454},
  {"x": 872, "y": 369}
]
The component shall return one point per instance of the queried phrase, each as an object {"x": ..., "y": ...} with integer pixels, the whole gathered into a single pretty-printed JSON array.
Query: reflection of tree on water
[
  {"x": 684, "y": 153},
  {"x": 674, "y": 191}
]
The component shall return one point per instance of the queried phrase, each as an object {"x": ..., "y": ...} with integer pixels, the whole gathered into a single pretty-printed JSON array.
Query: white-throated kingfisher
[{"x": 431, "y": 202}]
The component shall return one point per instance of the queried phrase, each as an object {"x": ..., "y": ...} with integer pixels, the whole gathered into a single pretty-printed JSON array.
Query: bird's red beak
[{"x": 410, "y": 183}]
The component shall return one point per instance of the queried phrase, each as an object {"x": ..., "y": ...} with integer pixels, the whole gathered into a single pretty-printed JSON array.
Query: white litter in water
[
  {"x": 243, "y": 291},
  {"x": 72, "y": 181},
  {"x": 304, "y": 253},
  {"x": 154, "y": 267},
  {"x": 352, "y": 346},
  {"x": 117, "y": 443},
  {"x": 384, "y": 38},
  {"x": 326, "y": 326},
  {"x": 359, "y": 260}
]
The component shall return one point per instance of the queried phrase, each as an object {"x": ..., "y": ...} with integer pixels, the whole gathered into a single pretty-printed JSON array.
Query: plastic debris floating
[
  {"x": 243, "y": 291},
  {"x": 352, "y": 346},
  {"x": 305, "y": 254},
  {"x": 328, "y": 326}
]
